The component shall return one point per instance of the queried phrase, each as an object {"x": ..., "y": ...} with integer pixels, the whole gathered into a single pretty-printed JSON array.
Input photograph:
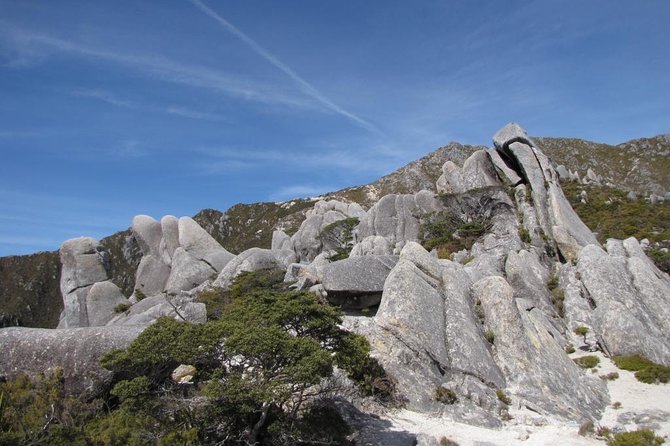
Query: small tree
[
  {"x": 582, "y": 331},
  {"x": 339, "y": 236}
]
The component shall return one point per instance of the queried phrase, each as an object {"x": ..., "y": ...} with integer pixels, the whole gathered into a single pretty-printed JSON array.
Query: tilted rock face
[
  {"x": 251, "y": 260},
  {"x": 631, "y": 300},
  {"x": 74, "y": 350},
  {"x": 556, "y": 217},
  {"x": 534, "y": 363}
]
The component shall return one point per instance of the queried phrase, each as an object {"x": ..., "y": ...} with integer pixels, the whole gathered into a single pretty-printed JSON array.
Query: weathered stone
[
  {"x": 507, "y": 174},
  {"x": 280, "y": 241},
  {"x": 627, "y": 320},
  {"x": 84, "y": 263},
  {"x": 74, "y": 350},
  {"x": 148, "y": 233},
  {"x": 101, "y": 301},
  {"x": 477, "y": 172},
  {"x": 187, "y": 272},
  {"x": 356, "y": 282},
  {"x": 170, "y": 240},
  {"x": 148, "y": 310},
  {"x": 562, "y": 172},
  {"x": 535, "y": 366},
  {"x": 252, "y": 259},
  {"x": 509, "y": 134},
  {"x": 374, "y": 245},
  {"x": 183, "y": 374},
  {"x": 396, "y": 217},
  {"x": 202, "y": 246},
  {"x": 152, "y": 275},
  {"x": 307, "y": 241}
]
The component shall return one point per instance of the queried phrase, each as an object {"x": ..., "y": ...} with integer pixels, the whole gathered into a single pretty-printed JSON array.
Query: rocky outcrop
[
  {"x": 397, "y": 217},
  {"x": 76, "y": 351},
  {"x": 307, "y": 243},
  {"x": 356, "y": 282},
  {"x": 477, "y": 171},
  {"x": 630, "y": 298},
  {"x": 84, "y": 262},
  {"x": 252, "y": 260}
]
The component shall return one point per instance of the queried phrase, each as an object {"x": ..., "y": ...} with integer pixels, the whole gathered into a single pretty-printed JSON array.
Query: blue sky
[{"x": 110, "y": 109}]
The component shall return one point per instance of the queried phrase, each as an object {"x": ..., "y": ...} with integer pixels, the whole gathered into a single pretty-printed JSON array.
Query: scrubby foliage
[
  {"x": 445, "y": 395},
  {"x": 587, "y": 362},
  {"x": 503, "y": 397},
  {"x": 449, "y": 233},
  {"x": 642, "y": 437},
  {"x": 262, "y": 368},
  {"x": 646, "y": 371},
  {"x": 339, "y": 236},
  {"x": 660, "y": 258}
]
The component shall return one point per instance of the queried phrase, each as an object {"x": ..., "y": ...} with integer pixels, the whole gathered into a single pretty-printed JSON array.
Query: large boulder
[
  {"x": 253, "y": 259},
  {"x": 397, "y": 218},
  {"x": 152, "y": 275},
  {"x": 187, "y": 272},
  {"x": 307, "y": 242},
  {"x": 356, "y": 282},
  {"x": 76, "y": 351},
  {"x": 478, "y": 171},
  {"x": 202, "y": 246},
  {"x": 374, "y": 245},
  {"x": 146, "y": 311},
  {"x": 148, "y": 233},
  {"x": 84, "y": 262},
  {"x": 170, "y": 240},
  {"x": 102, "y": 302}
]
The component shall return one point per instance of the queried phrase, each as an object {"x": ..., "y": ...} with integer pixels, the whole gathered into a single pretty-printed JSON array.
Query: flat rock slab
[
  {"x": 365, "y": 274},
  {"x": 76, "y": 351}
]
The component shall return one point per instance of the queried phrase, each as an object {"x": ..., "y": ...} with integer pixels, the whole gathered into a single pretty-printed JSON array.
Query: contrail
[{"x": 306, "y": 86}]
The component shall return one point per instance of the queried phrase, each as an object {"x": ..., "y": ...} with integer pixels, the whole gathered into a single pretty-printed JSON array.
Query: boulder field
[{"x": 485, "y": 309}]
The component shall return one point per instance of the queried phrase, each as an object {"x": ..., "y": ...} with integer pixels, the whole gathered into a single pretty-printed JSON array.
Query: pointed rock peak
[
  {"x": 512, "y": 132},
  {"x": 147, "y": 232}
]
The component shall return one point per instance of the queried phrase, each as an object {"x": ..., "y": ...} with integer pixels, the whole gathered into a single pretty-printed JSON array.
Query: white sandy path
[{"x": 635, "y": 398}]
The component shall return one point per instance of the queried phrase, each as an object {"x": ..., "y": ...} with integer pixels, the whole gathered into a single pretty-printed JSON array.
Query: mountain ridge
[{"x": 243, "y": 226}]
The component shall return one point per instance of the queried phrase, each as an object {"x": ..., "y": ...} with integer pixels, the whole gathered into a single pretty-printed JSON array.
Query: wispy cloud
[
  {"x": 308, "y": 88},
  {"x": 112, "y": 99},
  {"x": 25, "y": 44}
]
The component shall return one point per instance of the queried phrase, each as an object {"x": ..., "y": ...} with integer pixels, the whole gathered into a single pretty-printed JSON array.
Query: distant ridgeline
[{"x": 459, "y": 284}]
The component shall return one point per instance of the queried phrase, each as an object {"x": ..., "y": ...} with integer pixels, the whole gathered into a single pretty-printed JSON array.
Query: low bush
[
  {"x": 445, "y": 395},
  {"x": 646, "y": 371},
  {"x": 121, "y": 308},
  {"x": 587, "y": 362},
  {"x": 642, "y": 437},
  {"x": 660, "y": 258},
  {"x": 524, "y": 235},
  {"x": 444, "y": 441},
  {"x": 490, "y": 336},
  {"x": 610, "y": 376},
  {"x": 569, "y": 349},
  {"x": 503, "y": 397}
]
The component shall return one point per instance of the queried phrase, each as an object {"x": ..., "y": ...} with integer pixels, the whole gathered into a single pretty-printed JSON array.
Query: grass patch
[
  {"x": 642, "y": 437},
  {"x": 587, "y": 362},
  {"x": 646, "y": 371},
  {"x": 503, "y": 397},
  {"x": 121, "y": 308},
  {"x": 445, "y": 395}
]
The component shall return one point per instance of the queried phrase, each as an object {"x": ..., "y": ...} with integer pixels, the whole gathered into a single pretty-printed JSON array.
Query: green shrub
[
  {"x": 610, "y": 376},
  {"x": 553, "y": 282},
  {"x": 569, "y": 349},
  {"x": 121, "y": 308},
  {"x": 660, "y": 258},
  {"x": 215, "y": 300},
  {"x": 445, "y": 395},
  {"x": 653, "y": 374},
  {"x": 139, "y": 294},
  {"x": 449, "y": 233},
  {"x": 524, "y": 235},
  {"x": 444, "y": 441},
  {"x": 582, "y": 331},
  {"x": 339, "y": 236},
  {"x": 632, "y": 363},
  {"x": 643, "y": 437},
  {"x": 587, "y": 362},
  {"x": 490, "y": 336},
  {"x": 558, "y": 300},
  {"x": 503, "y": 397}
]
